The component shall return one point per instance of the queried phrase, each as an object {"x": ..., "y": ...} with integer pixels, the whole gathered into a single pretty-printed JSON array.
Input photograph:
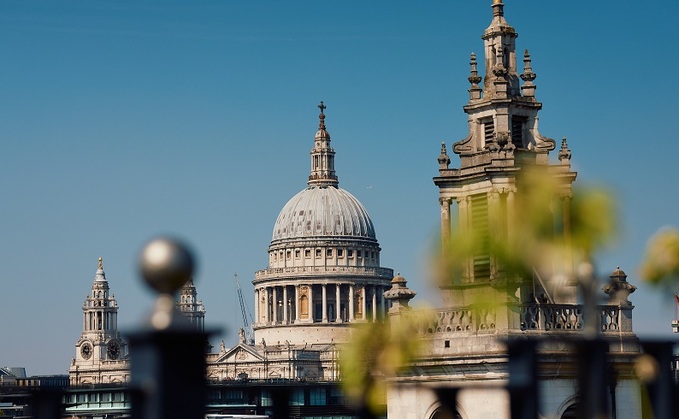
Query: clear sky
[{"x": 124, "y": 119}]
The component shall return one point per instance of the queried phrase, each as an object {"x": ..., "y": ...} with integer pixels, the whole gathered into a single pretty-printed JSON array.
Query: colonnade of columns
[
  {"x": 324, "y": 303},
  {"x": 100, "y": 320}
]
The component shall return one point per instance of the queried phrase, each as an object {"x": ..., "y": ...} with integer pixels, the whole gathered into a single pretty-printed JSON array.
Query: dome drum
[{"x": 321, "y": 274}]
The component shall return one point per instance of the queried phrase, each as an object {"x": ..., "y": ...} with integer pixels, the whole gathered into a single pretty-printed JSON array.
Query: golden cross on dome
[{"x": 101, "y": 264}]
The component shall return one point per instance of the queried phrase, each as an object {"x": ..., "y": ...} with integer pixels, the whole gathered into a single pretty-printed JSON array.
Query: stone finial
[
  {"x": 443, "y": 159},
  {"x": 565, "y": 153},
  {"x": 474, "y": 79},
  {"x": 321, "y": 116},
  {"x": 618, "y": 289},
  {"x": 100, "y": 275},
  {"x": 498, "y": 8},
  {"x": 399, "y": 294},
  {"x": 528, "y": 76}
]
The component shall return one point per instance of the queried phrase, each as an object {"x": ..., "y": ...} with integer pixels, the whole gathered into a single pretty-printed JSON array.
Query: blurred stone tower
[{"x": 486, "y": 304}]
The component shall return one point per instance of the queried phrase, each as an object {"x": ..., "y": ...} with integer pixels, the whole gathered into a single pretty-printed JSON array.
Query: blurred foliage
[
  {"x": 660, "y": 264},
  {"x": 539, "y": 231},
  {"x": 376, "y": 353},
  {"x": 539, "y": 236}
]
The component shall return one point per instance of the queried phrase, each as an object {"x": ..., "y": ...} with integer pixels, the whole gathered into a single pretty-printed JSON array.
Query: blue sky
[{"x": 121, "y": 120}]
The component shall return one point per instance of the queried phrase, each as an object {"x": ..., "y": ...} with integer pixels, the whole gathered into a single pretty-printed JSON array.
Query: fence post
[
  {"x": 660, "y": 385},
  {"x": 592, "y": 378},
  {"x": 522, "y": 386},
  {"x": 168, "y": 353}
]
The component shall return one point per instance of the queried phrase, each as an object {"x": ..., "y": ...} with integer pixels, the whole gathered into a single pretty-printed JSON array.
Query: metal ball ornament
[{"x": 166, "y": 264}]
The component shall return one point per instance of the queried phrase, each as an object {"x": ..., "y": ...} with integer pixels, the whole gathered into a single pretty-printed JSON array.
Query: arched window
[
  {"x": 443, "y": 413},
  {"x": 571, "y": 412}
]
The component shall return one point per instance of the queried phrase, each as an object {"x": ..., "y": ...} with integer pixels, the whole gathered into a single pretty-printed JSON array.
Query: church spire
[
  {"x": 501, "y": 79},
  {"x": 100, "y": 275},
  {"x": 322, "y": 156}
]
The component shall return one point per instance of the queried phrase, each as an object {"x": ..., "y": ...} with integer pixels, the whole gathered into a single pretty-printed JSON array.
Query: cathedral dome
[{"x": 323, "y": 211}]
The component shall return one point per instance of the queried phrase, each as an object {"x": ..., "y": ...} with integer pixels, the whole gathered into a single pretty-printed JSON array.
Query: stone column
[
  {"x": 383, "y": 309},
  {"x": 285, "y": 304},
  {"x": 511, "y": 216},
  {"x": 463, "y": 203},
  {"x": 365, "y": 303},
  {"x": 338, "y": 319},
  {"x": 274, "y": 305},
  {"x": 269, "y": 305},
  {"x": 351, "y": 303},
  {"x": 494, "y": 225},
  {"x": 324, "y": 302},
  {"x": 257, "y": 305},
  {"x": 566, "y": 207},
  {"x": 374, "y": 287},
  {"x": 445, "y": 220},
  {"x": 311, "y": 303}
]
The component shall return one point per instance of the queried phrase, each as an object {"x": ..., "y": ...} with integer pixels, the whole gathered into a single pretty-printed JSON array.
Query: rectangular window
[
  {"x": 297, "y": 253},
  {"x": 488, "y": 131},
  {"x": 328, "y": 253},
  {"x": 318, "y": 253},
  {"x": 297, "y": 397},
  {"x": 340, "y": 253},
  {"x": 358, "y": 253},
  {"x": 336, "y": 396},
  {"x": 307, "y": 253},
  {"x": 317, "y": 397},
  {"x": 266, "y": 398},
  {"x": 350, "y": 253},
  {"x": 287, "y": 254},
  {"x": 518, "y": 123}
]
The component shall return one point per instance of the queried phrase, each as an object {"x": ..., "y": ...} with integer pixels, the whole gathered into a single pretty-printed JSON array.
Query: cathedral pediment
[{"x": 241, "y": 353}]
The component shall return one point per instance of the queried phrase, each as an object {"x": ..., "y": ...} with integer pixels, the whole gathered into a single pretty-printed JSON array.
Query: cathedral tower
[
  {"x": 100, "y": 352},
  {"x": 503, "y": 141},
  {"x": 490, "y": 300},
  {"x": 190, "y": 306}
]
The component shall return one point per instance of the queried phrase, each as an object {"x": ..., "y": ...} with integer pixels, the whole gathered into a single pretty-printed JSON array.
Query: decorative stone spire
[
  {"x": 399, "y": 294},
  {"x": 618, "y": 289},
  {"x": 501, "y": 79},
  {"x": 565, "y": 152},
  {"x": 498, "y": 8},
  {"x": 444, "y": 160},
  {"x": 528, "y": 88},
  {"x": 474, "y": 79},
  {"x": 322, "y": 156}
]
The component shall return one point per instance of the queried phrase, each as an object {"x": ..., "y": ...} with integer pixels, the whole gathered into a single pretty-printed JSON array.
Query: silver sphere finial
[{"x": 166, "y": 264}]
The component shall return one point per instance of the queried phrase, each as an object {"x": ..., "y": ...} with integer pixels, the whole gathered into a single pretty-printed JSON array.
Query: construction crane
[
  {"x": 247, "y": 324},
  {"x": 675, "y": 322}
]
